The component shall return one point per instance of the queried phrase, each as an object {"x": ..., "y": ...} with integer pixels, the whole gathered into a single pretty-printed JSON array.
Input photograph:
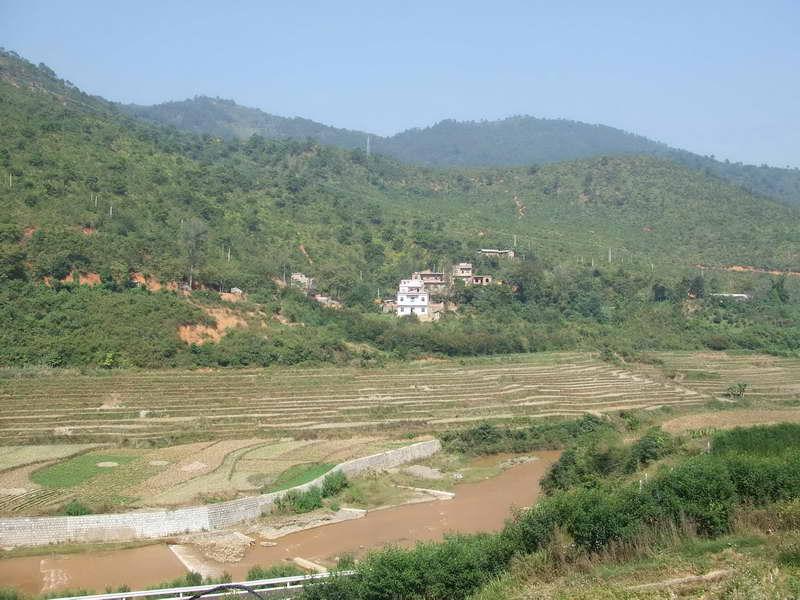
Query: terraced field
[
  {"x": 172, "y": 476},
  {"x": 422, "y": 396},
  {"x": 769, "y": 379},
  {"x": 229, "y": 433}
]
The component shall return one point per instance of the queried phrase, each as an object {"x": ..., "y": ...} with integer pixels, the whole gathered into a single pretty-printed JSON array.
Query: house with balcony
[{"x": 412, "y": 299}]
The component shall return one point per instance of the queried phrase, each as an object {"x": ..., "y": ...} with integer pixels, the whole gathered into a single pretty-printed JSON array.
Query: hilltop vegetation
[
  {"x": 515, "y": 141},
  {"x": 89, "y": 192},
  {"x": 226, "y": 119}
]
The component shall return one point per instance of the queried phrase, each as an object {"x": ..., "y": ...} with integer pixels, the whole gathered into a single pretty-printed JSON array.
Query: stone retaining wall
[{"x": 39, "y": 531}]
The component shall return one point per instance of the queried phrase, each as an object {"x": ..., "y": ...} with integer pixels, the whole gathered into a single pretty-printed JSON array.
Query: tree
[
  {"x": 695, "y": 287},
  {"x": 778, "y": 292},
  {"x": 660, "y": 292},
  {"x": 195, "y": 234}
]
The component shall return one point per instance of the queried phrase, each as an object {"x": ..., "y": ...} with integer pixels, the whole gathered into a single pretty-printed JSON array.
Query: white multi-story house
[{"x": 412, "y": 299}]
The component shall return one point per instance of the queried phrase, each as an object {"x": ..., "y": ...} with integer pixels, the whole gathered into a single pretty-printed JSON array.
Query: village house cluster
[{"x": 414, "y": 294}]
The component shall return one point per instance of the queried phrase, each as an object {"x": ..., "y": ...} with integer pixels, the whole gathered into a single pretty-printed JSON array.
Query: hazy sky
[{"x": 715, "y": 77}]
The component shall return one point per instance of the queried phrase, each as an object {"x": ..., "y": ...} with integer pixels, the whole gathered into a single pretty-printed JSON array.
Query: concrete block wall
[{"x": 39, "y": 531}]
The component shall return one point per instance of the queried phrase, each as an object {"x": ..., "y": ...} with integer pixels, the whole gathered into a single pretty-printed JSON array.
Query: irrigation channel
[{"x": 481, "y": 506}]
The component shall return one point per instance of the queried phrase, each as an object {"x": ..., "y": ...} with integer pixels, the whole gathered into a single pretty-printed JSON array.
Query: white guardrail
[{"x": 267, "y": 586}]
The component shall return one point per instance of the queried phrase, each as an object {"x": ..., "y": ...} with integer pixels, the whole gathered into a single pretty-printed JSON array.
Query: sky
[{"x": 714, "y": 77}]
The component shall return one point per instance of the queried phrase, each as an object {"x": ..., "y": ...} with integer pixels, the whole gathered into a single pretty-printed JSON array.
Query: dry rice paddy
[
  {"x": 422, "y": 396},
  {"x": 252, "y": 421}
]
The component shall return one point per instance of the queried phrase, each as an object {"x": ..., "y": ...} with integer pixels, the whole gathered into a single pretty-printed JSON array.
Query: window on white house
[{"x": 422, "y": 309}]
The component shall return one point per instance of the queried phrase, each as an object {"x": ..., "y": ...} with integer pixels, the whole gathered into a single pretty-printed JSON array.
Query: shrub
[
  {"x": 295, "y": 501},
  {"x": 763, "y": 439},
  {"x": 334, "y": 483},
  {"x": 75, "y": 508},
  {"x": 700, "y": 489},
  {"x": 487, "y": 438},
  {"x": 346, "y": 562},
  {"x": 273, "y": 572},
  {"x": 652, "y": 446},
  {"x": 9, "y": 594}
]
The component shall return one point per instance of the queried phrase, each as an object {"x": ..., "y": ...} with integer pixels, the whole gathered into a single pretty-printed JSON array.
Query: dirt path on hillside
[{"x": 747, "y": 269}]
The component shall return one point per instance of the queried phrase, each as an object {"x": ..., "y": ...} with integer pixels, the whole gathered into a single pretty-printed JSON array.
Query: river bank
[{"x": 479, "y": 506}]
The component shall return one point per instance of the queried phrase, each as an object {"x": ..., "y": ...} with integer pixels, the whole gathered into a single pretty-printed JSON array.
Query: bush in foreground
[{"x": 702, "y": 491}]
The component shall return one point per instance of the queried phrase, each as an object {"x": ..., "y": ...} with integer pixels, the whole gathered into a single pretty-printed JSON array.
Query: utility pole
[
  {"x": 515, "y": 240},
  {"x": 9, "y": 179},
  {"x": 229, "y": 254},
  {"x": 368, "y": 144},
  {"x": 110, "y": 210},
  {"x": 609, "y": 256}
]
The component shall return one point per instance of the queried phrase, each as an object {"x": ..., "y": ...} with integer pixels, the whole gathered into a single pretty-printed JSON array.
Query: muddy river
[{"x": 481, "y": 506}]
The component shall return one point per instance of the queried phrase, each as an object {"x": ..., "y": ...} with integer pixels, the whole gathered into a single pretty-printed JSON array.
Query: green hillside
[
  {"x": 515, "y": 141},
  {"x": 226, "y": 119},
  {"x": 87, "y": 191}
]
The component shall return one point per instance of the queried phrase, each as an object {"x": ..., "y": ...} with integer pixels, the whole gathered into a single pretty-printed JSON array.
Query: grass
[
  {"x": 298, "y": 475},
  {"x": 373, "y": 490},
  {"x": 17, "y": 456},
  {"x": 72, "y": 548},
  {"x": 756, "y": 560},
  {"x": 76, "y": 470}
]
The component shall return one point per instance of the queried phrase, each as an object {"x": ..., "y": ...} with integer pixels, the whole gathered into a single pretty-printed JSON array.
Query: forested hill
[
  {"x": 226, "y": 119},
  {"x": 525, "y": 140},
  {"x": 516, "y": 141},
  {"x": 90, "y": 194}
]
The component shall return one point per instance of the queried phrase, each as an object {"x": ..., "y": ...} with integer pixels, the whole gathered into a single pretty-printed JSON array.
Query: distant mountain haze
[{"x": 514, "y": 141}]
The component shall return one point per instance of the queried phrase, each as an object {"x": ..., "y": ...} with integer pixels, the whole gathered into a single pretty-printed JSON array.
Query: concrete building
[
  {"x": 462, "y": 271},
  {"x": 737, "y": 297},
  {"x": 480, "y": 280},
  {"x": 432, "y": 280},
  {"x": 302, "y": 281},
  {"x": 412, "y": 299},
  {"x": 493, "y": 252}
]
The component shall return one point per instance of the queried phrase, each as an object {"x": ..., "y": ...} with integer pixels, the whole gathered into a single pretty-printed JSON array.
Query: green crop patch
[
  {"x": 298, "y": 475},
  {"x": 77, "y": 470}
]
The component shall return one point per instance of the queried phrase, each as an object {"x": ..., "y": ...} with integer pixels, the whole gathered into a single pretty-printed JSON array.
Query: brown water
[{"x": 481, "y": 506}]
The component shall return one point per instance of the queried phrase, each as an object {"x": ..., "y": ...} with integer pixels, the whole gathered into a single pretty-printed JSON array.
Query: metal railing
[{"x": 265, "y": 586}]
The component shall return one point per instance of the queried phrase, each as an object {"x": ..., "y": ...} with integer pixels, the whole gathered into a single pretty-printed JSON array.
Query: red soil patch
[
  {"x": 90, "y": 279},
  {"x": 228, "y": 297},
  {"x": 88, "y": 230},
  {"x": 28, "y": 232},
  {"x": 148, "y": 282},
  {"x": 199, "y": 334}
]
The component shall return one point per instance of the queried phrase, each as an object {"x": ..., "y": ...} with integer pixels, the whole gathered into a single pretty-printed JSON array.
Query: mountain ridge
[
  {"x": 95, "y": 201},
  {"x": 518, "y": 140}
]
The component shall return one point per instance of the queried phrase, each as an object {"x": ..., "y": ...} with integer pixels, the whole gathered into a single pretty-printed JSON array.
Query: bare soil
[{"x": 730, "y": 419}]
